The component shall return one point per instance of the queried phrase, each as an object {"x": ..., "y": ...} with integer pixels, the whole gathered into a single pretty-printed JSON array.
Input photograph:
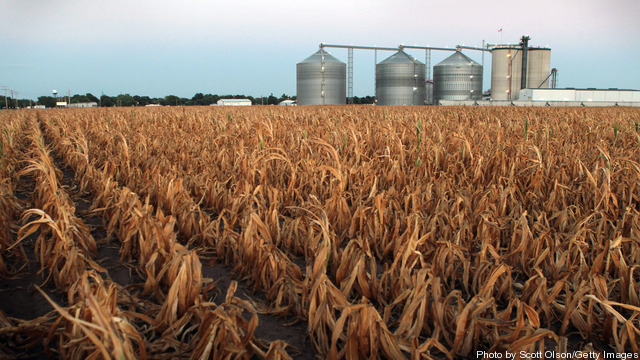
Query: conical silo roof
[
  {"x": 457, "y": 78},
  {"x": 321, "y": 80},
  {"x": 317, "y": 57},
  {"x": 400, "y": 80},
  {"x": 400, "y": 57},
  {"x": 458, "y": 59}
]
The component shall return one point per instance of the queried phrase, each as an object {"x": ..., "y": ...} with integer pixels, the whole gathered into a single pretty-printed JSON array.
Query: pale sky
[{"x": 159, "y": 47}]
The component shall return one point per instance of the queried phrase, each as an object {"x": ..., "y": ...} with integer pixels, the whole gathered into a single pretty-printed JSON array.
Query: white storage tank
[
  {"x": 506, "y": 72},
  {"x": 538, "y": 68}
]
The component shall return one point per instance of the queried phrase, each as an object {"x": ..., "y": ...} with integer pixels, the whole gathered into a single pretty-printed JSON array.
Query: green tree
[
  {"x": 125, "y": 100},
  {"x": 92, "y": 98},
  {"x": 107, "y": 101},
  {"x": 47, "y": 101},
  {"x": 23, "y": 103},
  {"x": 171, "y": 100},
  {"x": 79, "y": 99},
  {"x": 198, "y": 99},
  {"x": 210, "y": 99},
  {"x": 363, "y": 100},
  {"x": 142, "y": 100},
  {"x": 272, "y": 100}
]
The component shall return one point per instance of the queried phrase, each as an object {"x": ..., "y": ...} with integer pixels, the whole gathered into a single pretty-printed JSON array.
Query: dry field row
[{"x": 409, "y": 232}]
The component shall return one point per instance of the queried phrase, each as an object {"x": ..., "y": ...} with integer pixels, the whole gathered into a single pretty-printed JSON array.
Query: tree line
[{"x": 137, "y": 100}]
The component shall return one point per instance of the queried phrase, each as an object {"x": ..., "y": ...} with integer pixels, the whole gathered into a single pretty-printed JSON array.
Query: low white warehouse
[
  {"x": 562, "y": 97},
  {"x": 84, "y": 105},
  {"x": 584, "y": 96},
  {"x": 234, "y": 102}
]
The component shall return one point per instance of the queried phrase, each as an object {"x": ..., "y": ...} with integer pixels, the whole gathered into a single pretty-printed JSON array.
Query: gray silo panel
[
  {"x": 400, "y": 80},
  {"x": 321, "y": 80},
  {"x": 457, "y": 78}
]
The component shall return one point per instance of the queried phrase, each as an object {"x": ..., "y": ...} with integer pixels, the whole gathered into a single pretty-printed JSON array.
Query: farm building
[
  {"x": 581, "y": 95},
  {"x": 84, "y": 105},
  {"x": 234, "y": 102}
]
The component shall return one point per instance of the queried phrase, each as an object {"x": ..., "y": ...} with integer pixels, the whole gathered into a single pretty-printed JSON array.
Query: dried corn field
[{"x": 417, "y": 233}]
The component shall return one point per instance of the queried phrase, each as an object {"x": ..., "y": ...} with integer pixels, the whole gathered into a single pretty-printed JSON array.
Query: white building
[
  {"x": 584, "y": 96},
  {"x": 287, "y": 103},
  {"x": 84, "y": 105},
  {"x": 561, "y": 97},
  {"x": 234, "y": 102}
]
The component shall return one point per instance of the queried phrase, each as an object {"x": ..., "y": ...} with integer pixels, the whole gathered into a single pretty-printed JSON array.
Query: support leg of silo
[
  {"x": 375, "y": 63},
  {"x": 350, "y": 77},
  {"x": 427, "y": 62}
]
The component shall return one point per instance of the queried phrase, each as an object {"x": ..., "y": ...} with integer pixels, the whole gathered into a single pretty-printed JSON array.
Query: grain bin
[
  {"x": 321, "y": 80},
  {"x": 538, "y": 68},
  {"x": 400, "y": 80},
  {"x": 457, "y": 78},
  {"x": 506, "y": 69}
]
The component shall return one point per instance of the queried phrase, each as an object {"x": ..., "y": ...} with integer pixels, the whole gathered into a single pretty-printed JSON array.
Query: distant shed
[
  {"x": 84, "y": 105},
  {"x": 584, "y": 96},
  {"x": 234, "y": 102}
]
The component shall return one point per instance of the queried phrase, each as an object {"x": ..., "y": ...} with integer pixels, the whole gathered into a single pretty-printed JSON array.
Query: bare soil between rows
[{"x": 20, "y": 299}]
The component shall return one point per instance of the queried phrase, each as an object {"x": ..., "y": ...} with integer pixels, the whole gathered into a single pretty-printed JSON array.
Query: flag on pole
[{"x": 500, "y": 30}]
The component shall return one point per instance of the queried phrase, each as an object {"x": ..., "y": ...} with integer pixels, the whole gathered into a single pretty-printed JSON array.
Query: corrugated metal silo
[
  {"x": 506, "y": 72},
  {"x": 321, "y": 80},
  {"x": 538, "y": 68},
  {"x": 400, "y": 80},
  {"x": 457, "y": 78}
]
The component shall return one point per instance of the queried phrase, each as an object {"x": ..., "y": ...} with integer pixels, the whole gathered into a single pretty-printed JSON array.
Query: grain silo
[
  {"x": 457, "y": 78},
  {"x": 400, "y": 80},
  {"x": 321, "y": 80},
  {"x": 506, "y": 72},
  {"x": 538, "y": 68}
]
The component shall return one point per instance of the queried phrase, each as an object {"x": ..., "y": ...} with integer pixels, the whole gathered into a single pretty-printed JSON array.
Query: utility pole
[
  {"x": 4, "y": 87},
  {"x": 524, "y": 42},
  {"x": 12, "y": 96},
  {"x": 15, "y": 99}
]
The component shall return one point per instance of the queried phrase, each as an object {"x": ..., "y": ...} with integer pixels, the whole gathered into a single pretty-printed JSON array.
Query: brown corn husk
[
  {"x": 463, "y": 229},
  {"x": 94, "y": 326}
]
